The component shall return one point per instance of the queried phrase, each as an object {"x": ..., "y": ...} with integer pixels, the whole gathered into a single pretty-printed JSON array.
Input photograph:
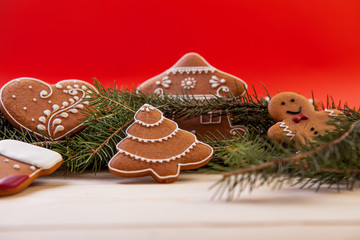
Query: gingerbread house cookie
[
  {"x": 21, "y": 163},
  {"x": 193, "y": 75},
  {"x": 51, "y": 111},
  {"x": 155, "y": 146},
  {"x": 297, "y": 118}
]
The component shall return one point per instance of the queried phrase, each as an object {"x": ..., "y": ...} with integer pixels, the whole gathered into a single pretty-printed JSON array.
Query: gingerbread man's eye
[
  {"x": 316, "y": 132},
  {"x": 282, "y": 103},
  {"x": 292, "y": 100},
  {"x": 312, "y": 129}
]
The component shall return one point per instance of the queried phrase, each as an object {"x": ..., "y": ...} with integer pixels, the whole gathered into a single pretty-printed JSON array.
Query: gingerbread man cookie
[{"x": 297, "y": 118}]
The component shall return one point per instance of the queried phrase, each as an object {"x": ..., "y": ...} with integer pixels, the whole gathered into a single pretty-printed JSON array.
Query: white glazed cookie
[
  {"x": 156, "y": 146},
  {"x": 51, "y": 110},
  {"x": 21, "y": 163}
]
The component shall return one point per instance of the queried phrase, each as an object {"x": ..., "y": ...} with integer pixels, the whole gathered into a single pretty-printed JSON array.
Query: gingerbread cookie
[
  {"x": 21, "y": 163},
  {"x": 156, "y": 146},
  {"x": 50, "y": 110},
  {"x": 194, "y": 76},
  {"x": 297, "y": 118}
]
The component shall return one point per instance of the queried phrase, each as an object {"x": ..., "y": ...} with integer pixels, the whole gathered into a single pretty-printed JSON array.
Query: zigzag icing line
[
  {"x": 331, "y": 112},
  {"x": 189, "y": 70},
  {"x": 159, "y": 160},
  {"x": 289, "y": 132},
  {"x": 154, "y": 140}
]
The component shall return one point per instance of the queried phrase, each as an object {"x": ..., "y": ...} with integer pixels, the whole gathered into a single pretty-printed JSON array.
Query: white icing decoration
[
  {"x": 41, "y": 127},
  {"x": 55, "y": 107},
  {"x": 33, "y": 120},
  {"x": 25, "y": 108},
  {"x": 188, "y": 83},
  {"x": 30, "y": 87},
  {"x": 6, "y": 160},
  {"x": 73, "y": 111},
  {"x": 76, "y": 98},
  {"x": 30, "y": 154},
  {"x": 149, "y": 124},
  {"x": 222, "y": 89},
  {"x": 65, "y": 104},
  {"x": 71, "y": 100},
  {"x": 16, "y": 166},
  {"x": 32, "y": 168},
  {"x": 69, "y": 87},
  {"x": 42, "y": 119},
  {"x": 83, "y": 87},
  {"x": 56, "y": 121},
  {"x": 289, "y": 133},
  {"x": 160, "y": 160},
  {"x": 64, "y": 115},
  {"x": 331, "y": 112},
  {"x": 13, "y": 96},
  {"x": 59, "y": 129},
  {"x": 47, "y": 113},
  {"x": 65, "y": 91},
  {"x": 76, "y": 85},
  {"x": 34, "y": 99},
  {"x": 80, "y": 106},
  {"x": 215, "y": 81},
  {"x": 86, "y": 102},
  {"x": 73, "y": 92},
  {"x": 165, "y": 82},
  {"x": 44, "y": 93},
  {"x": 159, "y": 91},
  {"x": 153, "y": 140},
  {"x": 188, "y": 70}
]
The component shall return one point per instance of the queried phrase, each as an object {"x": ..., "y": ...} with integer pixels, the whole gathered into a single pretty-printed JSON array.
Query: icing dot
[
  {"x": 6, "y": 160},
  {"x": 65, "y": 91},
  {"x": 76, "y": 85},
  {"x": 32, "y": 168},
  {"x": 30, "y": 87},
  {"x": 222, "y": 80},
  {"x": 158, "y": 82},
  {"x": 16, "y": 166},
  {"x": 69, "y": 87},
  {"x": 58, "y": 86},
  {"x": 34, "y": 99},
  {"x": 49, "y": 101},
  {"x": 13, "y": 96},
  {"x": 25, "y": 108},
  {"x": 32, "y": 120},
  {"x": 83, "y": 87}
]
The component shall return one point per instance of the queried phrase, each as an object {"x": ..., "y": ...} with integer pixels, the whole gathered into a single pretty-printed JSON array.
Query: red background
[{"x": 291, "y": 45}]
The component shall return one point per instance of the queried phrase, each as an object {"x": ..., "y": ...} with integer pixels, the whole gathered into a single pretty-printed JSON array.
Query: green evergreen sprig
[{"x": 252, "y": 161}]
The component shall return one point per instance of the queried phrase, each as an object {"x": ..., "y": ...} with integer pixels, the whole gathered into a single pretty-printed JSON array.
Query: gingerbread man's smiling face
[{"x": 289, "y": 105}]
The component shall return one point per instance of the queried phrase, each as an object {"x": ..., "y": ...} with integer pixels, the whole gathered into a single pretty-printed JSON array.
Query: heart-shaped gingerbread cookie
[{"x": 53, "y": 110}]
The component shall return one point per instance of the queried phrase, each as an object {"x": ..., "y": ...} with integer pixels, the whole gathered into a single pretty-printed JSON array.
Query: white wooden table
[{"x": 107, "y": 207}]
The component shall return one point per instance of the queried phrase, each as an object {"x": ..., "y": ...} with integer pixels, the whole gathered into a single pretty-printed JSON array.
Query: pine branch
[{"x": 332, "y": 159}]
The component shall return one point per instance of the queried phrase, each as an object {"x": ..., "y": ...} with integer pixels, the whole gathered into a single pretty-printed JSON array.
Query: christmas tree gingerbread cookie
[
  {"x": 194, "y": 76},
  {"x": 21, "y": 163},
  {"x": 297, "y": 118},
  {"x": 53, "y": 111},
  {"x": 155, "y": 146}
]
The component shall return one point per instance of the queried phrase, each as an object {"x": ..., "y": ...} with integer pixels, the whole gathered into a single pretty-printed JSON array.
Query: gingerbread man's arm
[{"x": 279, "y": 131}]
